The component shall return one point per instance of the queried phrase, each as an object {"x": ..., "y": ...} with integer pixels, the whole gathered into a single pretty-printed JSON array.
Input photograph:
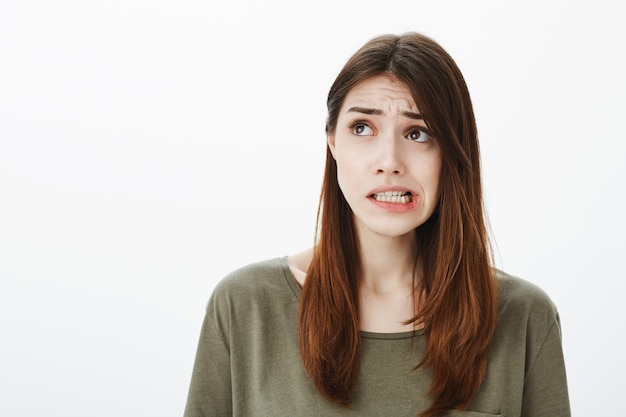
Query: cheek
[
  {"x": 432, "y": 175},
  {"x": 347, "y": 170},
  {"x": 344, "y": 178}
]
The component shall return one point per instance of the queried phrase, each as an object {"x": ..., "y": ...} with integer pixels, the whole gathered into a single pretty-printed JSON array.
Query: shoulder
[
  {"x": 254, "y": 279},
  {"x": 253, "y": 298},
  {"x": 524, "y": 305},
  {"x": 525, "y": 354},
  {"x": 257, "y": 286},
  {"x": 517, "y": 293}
]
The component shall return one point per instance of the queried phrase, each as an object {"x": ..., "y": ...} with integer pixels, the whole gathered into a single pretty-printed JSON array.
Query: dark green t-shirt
[{"x": 248, "y": 361}]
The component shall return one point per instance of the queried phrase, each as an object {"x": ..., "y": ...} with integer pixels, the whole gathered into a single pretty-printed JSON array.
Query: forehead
[{"x": 381, "y": 92}]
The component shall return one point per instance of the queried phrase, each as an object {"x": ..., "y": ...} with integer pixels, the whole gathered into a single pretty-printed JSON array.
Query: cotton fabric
[{"x": 248, "y": 361}]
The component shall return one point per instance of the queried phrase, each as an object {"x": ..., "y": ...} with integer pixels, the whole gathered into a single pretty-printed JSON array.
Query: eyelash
[
  {"x": 421, "y": 130},
  {"x": 357, "y": 123}
]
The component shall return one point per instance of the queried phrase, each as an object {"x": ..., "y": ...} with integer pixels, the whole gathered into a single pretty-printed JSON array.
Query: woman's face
[{"x": 388, "y": 167}]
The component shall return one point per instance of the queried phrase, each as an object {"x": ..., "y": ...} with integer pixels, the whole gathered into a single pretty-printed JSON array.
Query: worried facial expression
[{"x": 388, "y": 165}]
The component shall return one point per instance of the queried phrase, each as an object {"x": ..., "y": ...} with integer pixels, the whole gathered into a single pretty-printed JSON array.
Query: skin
[{"x": 381, "y": 143}]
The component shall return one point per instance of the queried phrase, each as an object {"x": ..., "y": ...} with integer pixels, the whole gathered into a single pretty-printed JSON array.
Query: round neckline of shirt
[
  {"x": 297, "y": 291},
  {"x": 391, "y": 336}
]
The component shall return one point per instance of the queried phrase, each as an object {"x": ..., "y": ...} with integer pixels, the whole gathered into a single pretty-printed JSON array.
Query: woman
[{"x": 397, "y": 310}]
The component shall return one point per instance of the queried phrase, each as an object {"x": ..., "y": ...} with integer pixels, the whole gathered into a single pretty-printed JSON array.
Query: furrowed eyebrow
[
  {"x": 365, "y": 110},
  {"x": 412, "y": 115},
  {"x": 378, "y": 112}
]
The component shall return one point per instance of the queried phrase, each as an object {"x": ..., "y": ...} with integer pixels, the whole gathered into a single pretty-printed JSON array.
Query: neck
[{"x": 387, "y": 263}]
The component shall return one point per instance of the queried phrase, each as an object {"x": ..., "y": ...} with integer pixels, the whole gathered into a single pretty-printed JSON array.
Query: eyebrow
[{"x": 378, "y": 112}]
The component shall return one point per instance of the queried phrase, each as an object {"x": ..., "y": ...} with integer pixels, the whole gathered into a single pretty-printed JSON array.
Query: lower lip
[{"x": 395, "y": 207}]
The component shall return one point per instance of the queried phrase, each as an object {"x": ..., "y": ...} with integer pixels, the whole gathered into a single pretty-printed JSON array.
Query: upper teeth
[
  {"x": 391, "y": 193},
  {"x": 393, "y": 196}
]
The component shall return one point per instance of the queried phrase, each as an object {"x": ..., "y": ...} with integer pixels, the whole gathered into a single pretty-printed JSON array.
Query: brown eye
[
  {"x": 361, "y": 129},
  {"x": 418, "y": 135}
]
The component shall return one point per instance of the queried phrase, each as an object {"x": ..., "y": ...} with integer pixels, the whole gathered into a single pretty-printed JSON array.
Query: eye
[
  {"x": 361, "y": 129},
  {"x": 418, "y": 135}
]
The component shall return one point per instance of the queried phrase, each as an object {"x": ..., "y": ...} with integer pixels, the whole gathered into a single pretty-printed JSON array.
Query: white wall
[{"x": 147, "y": 148}]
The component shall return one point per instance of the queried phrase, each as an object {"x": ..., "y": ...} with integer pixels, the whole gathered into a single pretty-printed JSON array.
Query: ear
[{"x": 331, "y": 144}]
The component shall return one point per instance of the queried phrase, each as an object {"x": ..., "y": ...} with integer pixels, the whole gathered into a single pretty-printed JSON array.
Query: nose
[{"x": 389, "y": 159}]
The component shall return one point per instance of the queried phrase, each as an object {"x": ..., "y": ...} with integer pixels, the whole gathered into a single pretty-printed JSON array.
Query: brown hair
[{"x": 460, "y": 295}]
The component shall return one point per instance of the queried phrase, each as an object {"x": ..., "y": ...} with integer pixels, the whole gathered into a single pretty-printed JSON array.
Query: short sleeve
[
  {"x": 545, "y": 385},
  {"x": 210, "y": 388}
]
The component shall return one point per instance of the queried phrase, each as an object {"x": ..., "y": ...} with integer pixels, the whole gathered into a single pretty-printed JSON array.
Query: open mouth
[{"x": 400, "y": 197}]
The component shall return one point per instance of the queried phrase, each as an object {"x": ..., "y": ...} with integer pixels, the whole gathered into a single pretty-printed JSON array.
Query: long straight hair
[{"x": 459, "y": 291}]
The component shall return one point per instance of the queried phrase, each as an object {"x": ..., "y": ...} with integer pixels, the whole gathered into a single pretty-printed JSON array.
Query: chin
[{"x": 390, "y": 229}]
